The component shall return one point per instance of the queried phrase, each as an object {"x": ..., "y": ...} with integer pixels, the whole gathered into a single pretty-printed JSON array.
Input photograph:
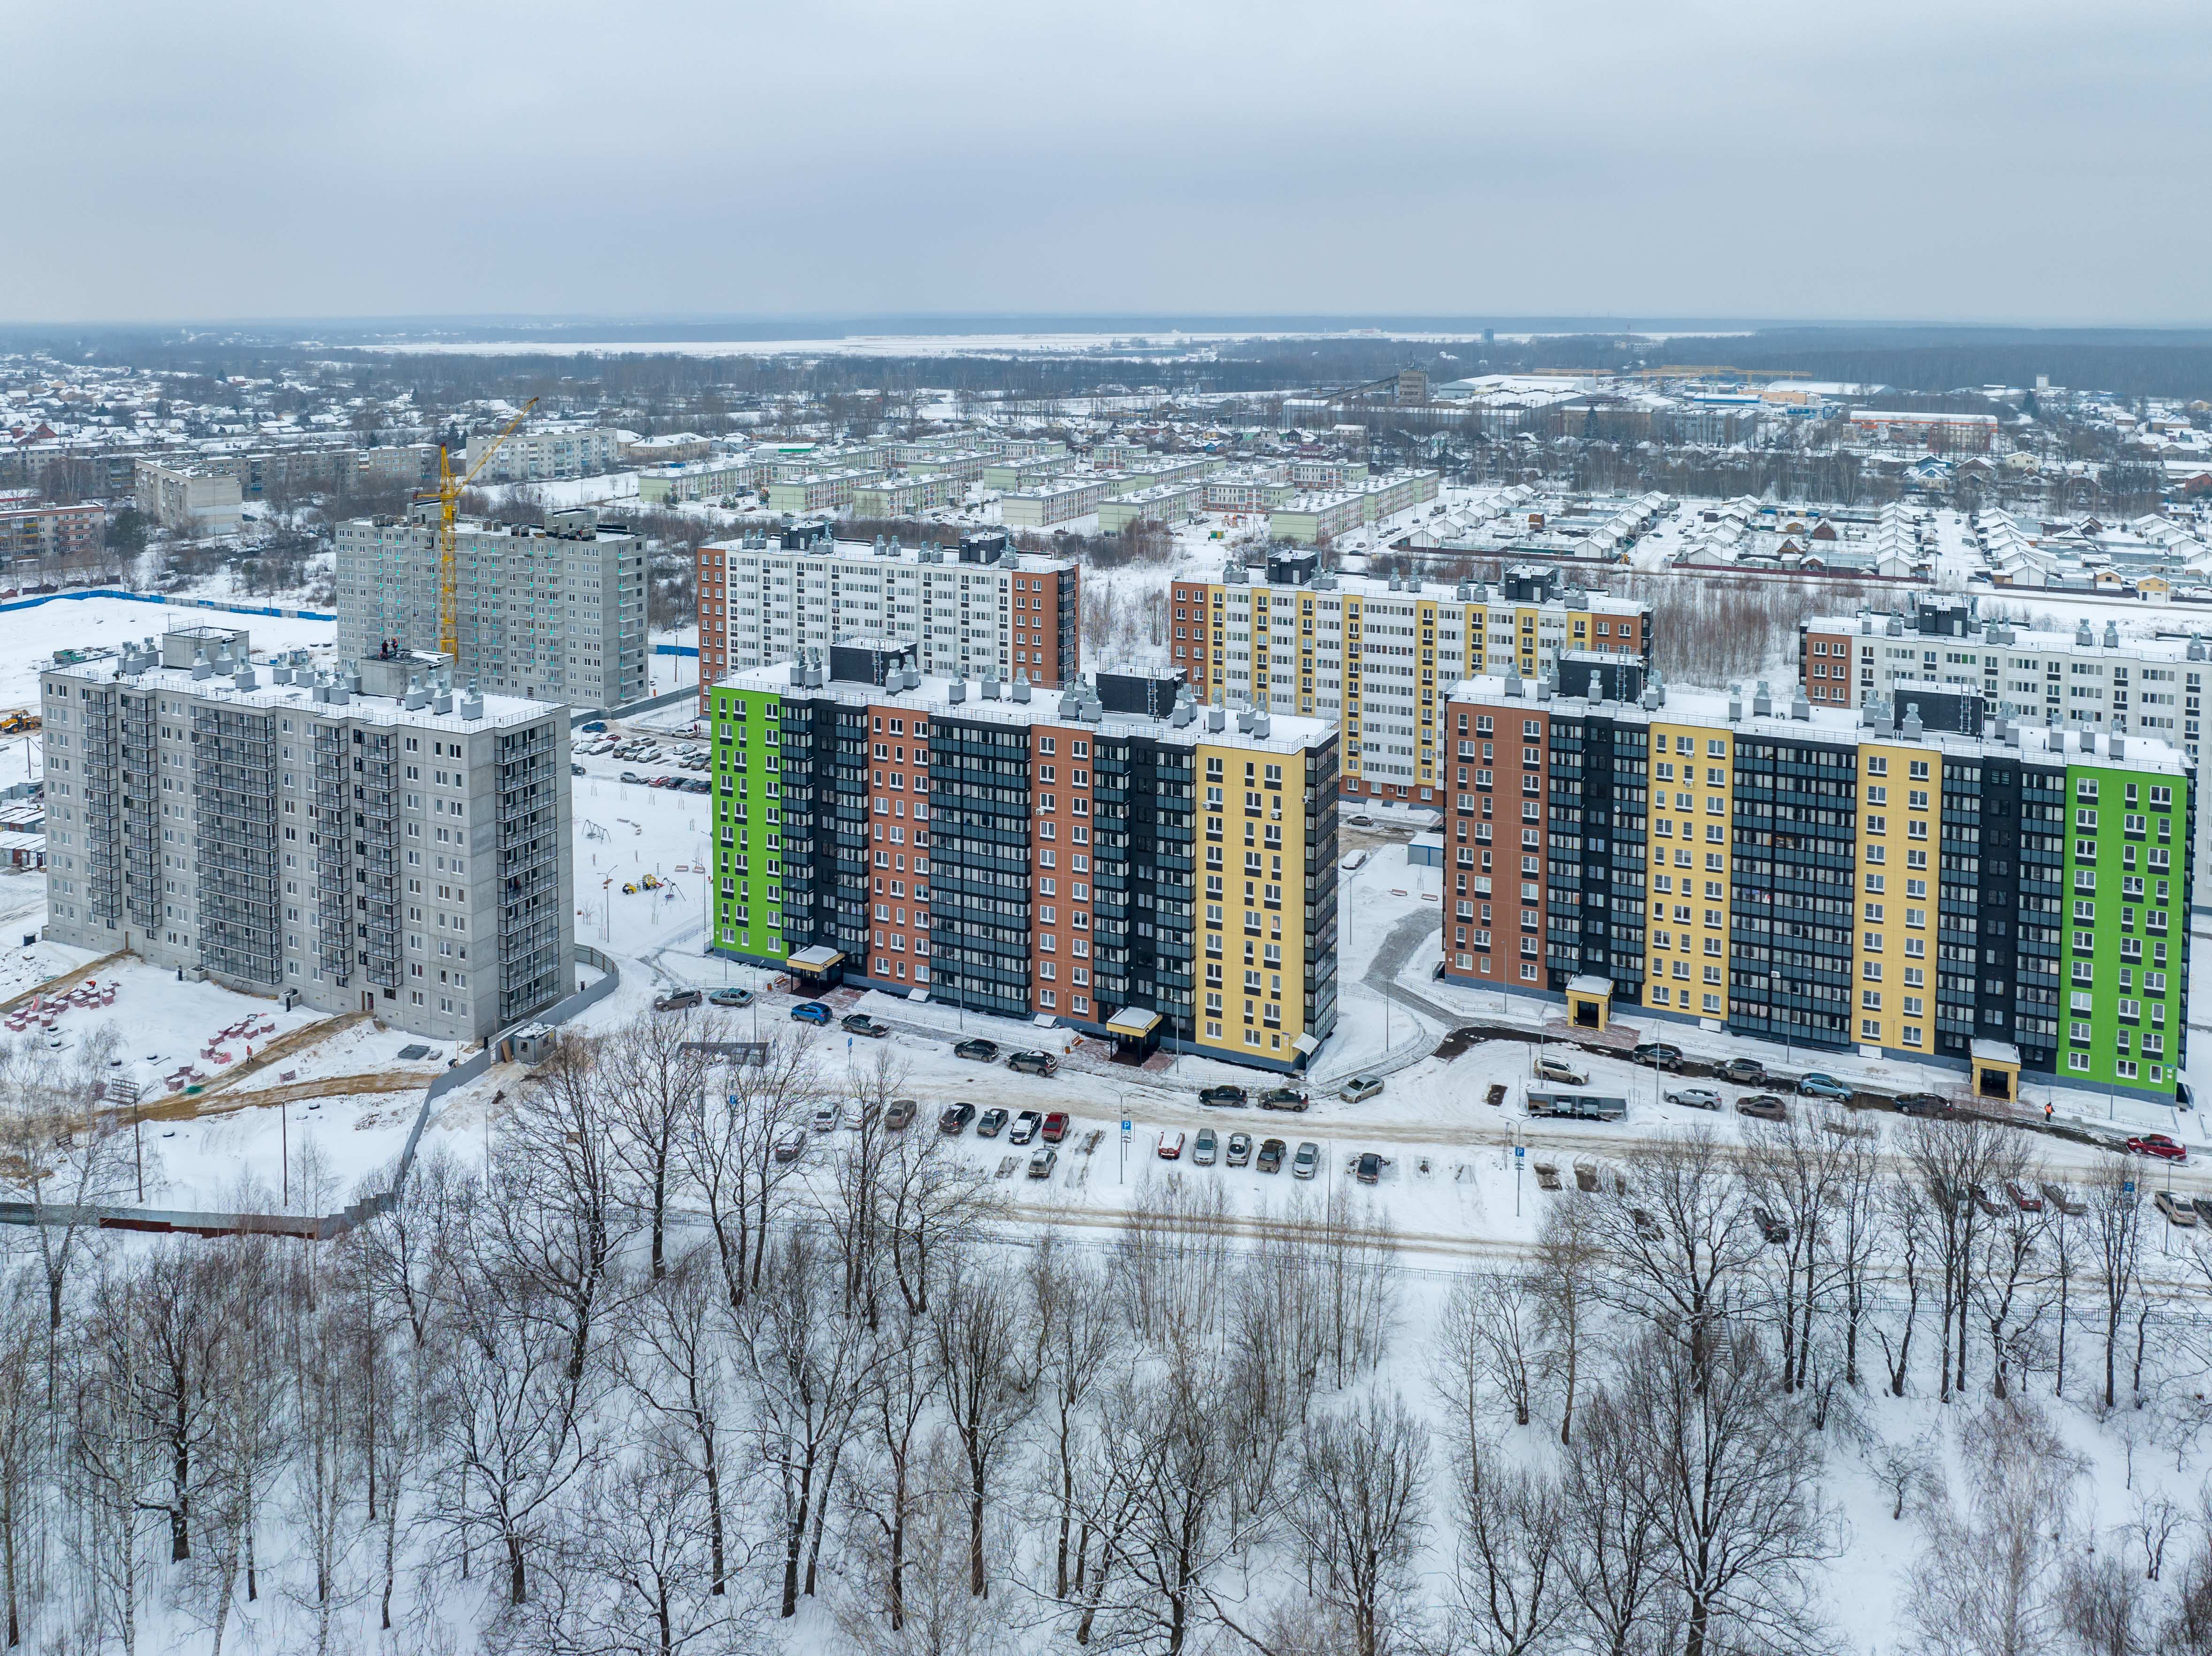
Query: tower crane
[{"x": 448, "y": 497}]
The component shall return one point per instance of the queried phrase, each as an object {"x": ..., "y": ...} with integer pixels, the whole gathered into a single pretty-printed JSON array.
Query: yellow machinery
[{"x": 448, "y": 497}]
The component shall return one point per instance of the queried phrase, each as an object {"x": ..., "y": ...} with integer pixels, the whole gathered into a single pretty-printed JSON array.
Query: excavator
[{"x": 447, "y": 494}]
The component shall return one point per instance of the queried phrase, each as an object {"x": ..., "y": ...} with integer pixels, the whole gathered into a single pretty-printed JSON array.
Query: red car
[
  {"x": 1056, "y": 1126},
  {"x": 2158, "y": 1145}
]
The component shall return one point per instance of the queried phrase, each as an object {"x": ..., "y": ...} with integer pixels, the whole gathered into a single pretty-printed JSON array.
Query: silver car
[
  {"x": 1203, "y": 1148},
  {"x": 1303, "y": 1164},
  {"x": 1360, "y": 1087},
  {"x": 1696, "y": 1098}
]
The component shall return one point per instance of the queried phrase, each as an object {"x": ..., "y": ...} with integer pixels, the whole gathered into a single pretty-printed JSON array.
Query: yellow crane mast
[{"x": 448, "y": 497}]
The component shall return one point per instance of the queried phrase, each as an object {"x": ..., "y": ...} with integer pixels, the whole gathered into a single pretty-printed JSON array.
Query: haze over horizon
[{"x": 2016, "y": 165}]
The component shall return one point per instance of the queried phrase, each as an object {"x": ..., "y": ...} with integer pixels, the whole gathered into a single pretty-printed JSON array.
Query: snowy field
[{"x": 29, "y": 637}]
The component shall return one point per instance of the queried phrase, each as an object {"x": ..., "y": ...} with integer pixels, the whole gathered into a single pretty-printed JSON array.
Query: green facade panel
[
  {"x": 2125, "y": 986},
  {"x": 745, "y": 901}
]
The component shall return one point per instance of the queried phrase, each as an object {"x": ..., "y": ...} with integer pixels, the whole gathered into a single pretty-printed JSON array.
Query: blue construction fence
[{"x": 173, "y": 603}]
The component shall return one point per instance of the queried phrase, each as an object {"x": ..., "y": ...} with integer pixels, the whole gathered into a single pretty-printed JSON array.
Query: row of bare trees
[{"x": 637, "y": 1382}]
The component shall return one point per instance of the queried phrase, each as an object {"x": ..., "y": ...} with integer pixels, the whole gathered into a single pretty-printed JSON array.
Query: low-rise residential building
[
  {"x": 1377, "y": 655},
  {"x": 1029, "y": 471},
  {"x": 190, "y": 498},
  {"x": 1111, "y": 856},
  {"x": 42, "y": 529},
  {"x": 546, "y": 452},
  {"x": 817, "y": 491},
  {"x": 1324, "y": 514},
  {"x": 982, "y": 609},
  {"x": 1056, "y": 501},
  {"x": 703, "y": 480},
  {"x": 555, "y": 614},
  {"x": 1904, "y": 880},
  {"x": 1953, "y": 431},
  {"x": 903, "y": 494},
  {"x": 375, "y": 842},
  {"x": 1164, "y": 503}
]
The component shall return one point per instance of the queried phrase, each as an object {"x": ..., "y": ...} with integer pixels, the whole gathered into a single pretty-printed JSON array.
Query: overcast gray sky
[{"x": 2018, "y": 161}]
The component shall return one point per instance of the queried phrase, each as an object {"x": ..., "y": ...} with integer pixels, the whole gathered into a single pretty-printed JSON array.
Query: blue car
[
  {"x": 812, "y": 1012},
  {"x": 1817, "y": 1085}
]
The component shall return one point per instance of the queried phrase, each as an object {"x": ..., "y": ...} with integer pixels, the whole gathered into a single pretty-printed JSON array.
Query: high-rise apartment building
[
  {"x": 1378, "y": 655},
  {"x": 373, "y": 842},
  {"x": 1109, "y": 855},
  {"x": 984, "y": 610},
  {"x": 555, "y": 614},
  {"x": 1907, "y": 881},
  {"x": 2089, "y": 678}
]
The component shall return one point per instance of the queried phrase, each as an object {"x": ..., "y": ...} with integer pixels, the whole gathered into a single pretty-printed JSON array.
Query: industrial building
[
  {"x": 370, "y": 841},
  {"x": 1111, "y": 857},
  {"x": 553, "y": 613},
  {"x": 1378, "y": 655},
  {"x": 1904, "y": 880},
  {"x": 982, "y": 609}
]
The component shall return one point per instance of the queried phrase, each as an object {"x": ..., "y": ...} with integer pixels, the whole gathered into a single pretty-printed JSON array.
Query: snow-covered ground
[{"x": 28, "y": 637}]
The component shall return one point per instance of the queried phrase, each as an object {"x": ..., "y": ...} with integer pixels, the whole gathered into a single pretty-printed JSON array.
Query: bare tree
[
  {"x": 1954, "y": 1159},
  {"x": 1679, "y": 1250},
  {"x": 1487, "y": 1342},
  {"x": 1613, "y": 1545},
  {"x": 1510, "y": 1588},
  {"x": 1985, "y": 1584},
  {"x": 25, "y": 1428},
  {"x": 2104, "y": 1608},
  {"x": 1565, "y": 1274},
  {"x": 728, "y": 1151},
  {"x": 1734, "y": 1475},
  {"x": 1907, "y": 1212},
  {"x": 976, "y": 1325},
  {"x": 1080, "y": 1341},
  {"x": 804, "y": 1358},
  {"x": 676, "y": 1364},
  {"x": 653, "y": 1068},
  {"x": 1358, "y": 1510},
  {"x": 2115, "y": 1201}
]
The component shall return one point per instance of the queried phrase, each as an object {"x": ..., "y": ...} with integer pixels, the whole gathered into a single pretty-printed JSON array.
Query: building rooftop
[
  {"x": 1792, "y": 719},
  {"x": 889, "y": 553},
  {"x": 1002, "y": 702},
  {"x": 289, "y": 681}
]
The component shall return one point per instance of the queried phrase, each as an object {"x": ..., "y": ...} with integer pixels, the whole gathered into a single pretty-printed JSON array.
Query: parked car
[
  {"x": 955, "y": 1119},
  {"x": 901, "y": 1114},
  {"x": 2176, "y": 1209},
  {"x": 1362, "y": 819},
  {"x": 1026, "y": 1127},
  {"x": 1769, "y": 1226},
  {"x": 1367, "y": 1167},
  {"x": 2027, "y": 1200},
  {"x": 1559, "y": 1070},
  {"x": 1354, "y": 863},
  {"x": 1307, "y": 1159},
  {"x": 1360, "y": 1088},
  {"x": 631, "y": 776},
  {"x": 1763, "y": 1107},
  {"x": 1817, "y": 1085},
  {"x": 1662, "y": 1053},
  {"x": 1922, "y": 1103},
  {"x": 597, "y": 727},
  {"x": 790, "y": 1142},
  {"x": 575, "y": 769},
  {"x": 825, "y": 1118},
  {"x": 730, "y": 998},
  {"x": 985, "y": 1051},
  {"x": 1170, "y": 1147},
  {"x": 1042, "y": 1159},
  {"x": 991, "y": 1123},
  {"x": 859, "y": 1023},
  {"x": 1222, "y": 1094},
  {"x": 1282, "y": 1098},
  {"x": 1271, "y": 1155},
  {"x": 1033, "y": 1062},
  {"x": 2158, "y": 1145},
  {"x": 1696, "y": 1098},
  {"x": 1743, "y": 1071},
  {"x": 1204, "y": 1147},
  {"x": 1239, "y": 1152},
  {"x": 678, "y": 1000},
  {"x": 860, "y": 1111},
  {"x": 811, "y": 1011},
  {"x": 1056, "y": 1126}
]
